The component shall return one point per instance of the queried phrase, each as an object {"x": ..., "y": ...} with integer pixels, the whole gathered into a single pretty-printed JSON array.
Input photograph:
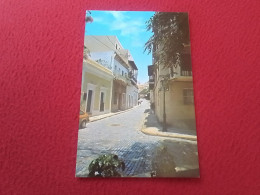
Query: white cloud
[
  {"x": 128, "y": 27},
  {"x": 98, "y": 19},
  {"x": 119, "y": 15}
]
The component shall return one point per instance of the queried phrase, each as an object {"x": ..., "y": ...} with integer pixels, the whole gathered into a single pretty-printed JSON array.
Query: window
[
  {"x": 122, "y": 73},
  {"x": 89, "y": 101},
  {"x": 186, "y": 67},
  {"x": 188, "y": 97}
]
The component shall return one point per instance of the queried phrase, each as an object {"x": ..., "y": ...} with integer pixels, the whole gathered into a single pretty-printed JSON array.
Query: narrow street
[{"x": 120, "y": 134}]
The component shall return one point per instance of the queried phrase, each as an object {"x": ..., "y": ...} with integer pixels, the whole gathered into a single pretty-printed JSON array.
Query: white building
[
  {"x": 132, "y": 89},
  {"x": 108, "y": 51}
]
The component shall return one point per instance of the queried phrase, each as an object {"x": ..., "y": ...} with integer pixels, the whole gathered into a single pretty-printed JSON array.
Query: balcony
[
  {"x": 119, "y": 77},
  {"x": 151, "y": 78},
  {"x": 181, "y": 74},
  {"x": 132, "y": 78},
  {"x": 185, "y": 70},
  {"x": 186, "y": 73},
  {"x": 151, "y": 82}
]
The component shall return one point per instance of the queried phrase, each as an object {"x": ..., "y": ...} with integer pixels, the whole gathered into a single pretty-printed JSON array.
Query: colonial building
[
  {"x": 108, "y": 51},
  {"x": 177, "y": 86},
  {"x": 132, "y": 88},
  {"x": 96, "y": 88},
  {"x": 119, "y": 84}
]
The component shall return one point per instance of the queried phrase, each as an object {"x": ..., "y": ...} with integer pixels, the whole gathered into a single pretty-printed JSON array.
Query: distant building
[
  {"x": 132, "y": 88},
  {"x": 143, "y": 89}
]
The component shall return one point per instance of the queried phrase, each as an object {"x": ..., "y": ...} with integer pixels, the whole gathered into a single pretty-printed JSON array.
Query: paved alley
[{"x": 143, "y": 154}]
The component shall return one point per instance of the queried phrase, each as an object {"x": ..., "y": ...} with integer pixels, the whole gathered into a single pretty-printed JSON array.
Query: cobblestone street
[{"x": 120, "y": 134}]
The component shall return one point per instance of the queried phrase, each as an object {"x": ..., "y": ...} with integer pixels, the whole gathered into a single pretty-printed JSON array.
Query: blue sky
[{"x": 130, "y": 29}]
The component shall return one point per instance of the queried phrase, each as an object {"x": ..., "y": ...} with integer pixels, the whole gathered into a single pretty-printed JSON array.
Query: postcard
[{"x": 137, "y": 114}]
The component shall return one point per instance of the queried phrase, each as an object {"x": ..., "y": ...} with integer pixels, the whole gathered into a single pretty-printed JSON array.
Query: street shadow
[
  {"x": 137, "y": 159},
  {"x": 165, "y": 158},
  {"x": 152, "y": 121},
  {"x": 175, "y": 159}
]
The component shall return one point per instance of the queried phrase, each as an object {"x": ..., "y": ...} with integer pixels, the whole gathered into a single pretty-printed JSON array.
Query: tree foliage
[
  {"x": 106, "y": 166},
  {"x": 170, "y": 35},
  {"x": 88, "y": 18}
]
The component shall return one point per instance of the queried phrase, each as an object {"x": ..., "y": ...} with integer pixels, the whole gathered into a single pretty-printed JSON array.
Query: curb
[
  {"x": 154, "y": 131},
  {"x": 111, "y": 114}
]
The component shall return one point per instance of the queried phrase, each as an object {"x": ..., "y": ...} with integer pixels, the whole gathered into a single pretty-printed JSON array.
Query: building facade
[
  {"x": 176, "y": 85},
  {"x": 132, "y": 88},
  {"x": 108, "y": 51},
  {"x": 96, "y": 88}
]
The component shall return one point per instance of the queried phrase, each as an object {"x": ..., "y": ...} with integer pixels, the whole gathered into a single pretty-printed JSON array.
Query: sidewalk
[
  {"x": 99, "y": 117},
  {"x": 151, "y": 126}
]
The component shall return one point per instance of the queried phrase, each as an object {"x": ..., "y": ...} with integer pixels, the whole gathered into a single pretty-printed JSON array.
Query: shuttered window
[{"x": 188, "y": 97}]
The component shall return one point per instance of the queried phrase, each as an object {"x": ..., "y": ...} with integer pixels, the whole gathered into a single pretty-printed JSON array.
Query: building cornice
[
  {"x": 182, "y": 79},
  {"x": 93, "y": 67}
]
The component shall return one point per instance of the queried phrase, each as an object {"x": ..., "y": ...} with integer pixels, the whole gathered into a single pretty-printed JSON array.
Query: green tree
[
  {"x": 107, "y": 165},
  {"x": 88, "y": 18},
  {"x": 170, "y": 36}
]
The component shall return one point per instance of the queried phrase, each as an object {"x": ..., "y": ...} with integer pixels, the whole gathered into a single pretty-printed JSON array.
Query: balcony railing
[
  {"x": 134, "y": 79},
  {"x": 186, "y": 73},
  {"x": 121, "y": 77}
]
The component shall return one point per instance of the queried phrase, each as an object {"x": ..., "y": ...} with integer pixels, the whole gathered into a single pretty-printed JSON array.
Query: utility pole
[{"x": 165, "y": 88}]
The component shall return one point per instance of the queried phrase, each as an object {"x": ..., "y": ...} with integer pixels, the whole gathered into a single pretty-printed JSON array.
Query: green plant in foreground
[{"x": 106, "y": 166}]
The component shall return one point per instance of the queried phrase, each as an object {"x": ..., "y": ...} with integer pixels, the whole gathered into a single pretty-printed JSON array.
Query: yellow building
[
  {"x": 179, "y": 98},
  {"x": 179, "y": 103},
  {"x": 96, "y": 88}
]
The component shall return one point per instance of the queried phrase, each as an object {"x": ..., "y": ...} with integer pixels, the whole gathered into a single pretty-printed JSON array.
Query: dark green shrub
[{"x": 106, "y": 166}]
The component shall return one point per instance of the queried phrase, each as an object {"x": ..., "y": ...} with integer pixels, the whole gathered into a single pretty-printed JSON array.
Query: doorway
[
  {"x": 102, "y": 104},
  {"x": 89, "y": 101}
]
